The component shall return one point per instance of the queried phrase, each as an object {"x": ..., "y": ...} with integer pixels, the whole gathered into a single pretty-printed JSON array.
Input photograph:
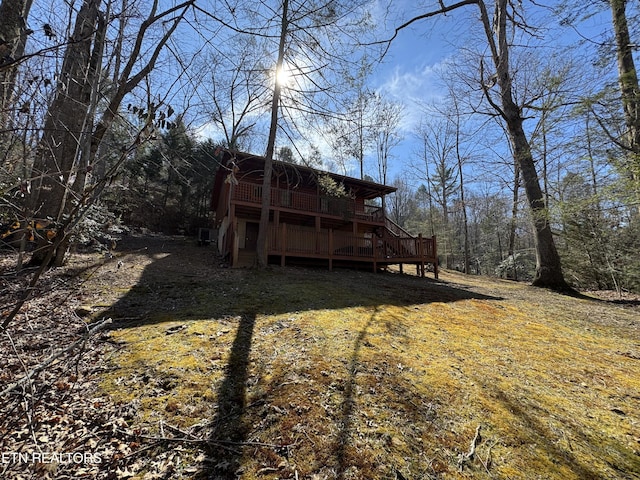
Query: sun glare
[{"x": 283, "y": 76}]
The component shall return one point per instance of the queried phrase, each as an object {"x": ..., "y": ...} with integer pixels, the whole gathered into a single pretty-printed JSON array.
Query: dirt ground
[{"x": 158, "y": 289}]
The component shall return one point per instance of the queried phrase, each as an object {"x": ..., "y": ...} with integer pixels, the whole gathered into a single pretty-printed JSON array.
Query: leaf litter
[{"x": 209, "y": 372}]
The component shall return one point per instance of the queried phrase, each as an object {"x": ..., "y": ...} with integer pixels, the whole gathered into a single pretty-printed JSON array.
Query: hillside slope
[{"x": 297, "y": 373}]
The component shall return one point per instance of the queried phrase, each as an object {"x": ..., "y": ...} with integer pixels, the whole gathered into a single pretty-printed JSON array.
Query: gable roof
[{"x": 248, "y": 162}]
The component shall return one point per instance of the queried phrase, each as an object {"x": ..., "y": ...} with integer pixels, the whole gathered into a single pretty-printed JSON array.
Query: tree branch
[
  {"x": 487, "y": 95},
  {"x": 443, "y": 9},
  {"x": 55, "y": 356},
  {"x": 127, "y": 84}
]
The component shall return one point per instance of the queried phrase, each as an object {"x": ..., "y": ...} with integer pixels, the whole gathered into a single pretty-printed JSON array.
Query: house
[{"x": 315, "y": 218}]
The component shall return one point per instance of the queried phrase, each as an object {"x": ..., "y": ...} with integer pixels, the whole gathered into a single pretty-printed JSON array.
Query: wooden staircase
[{"x": 395, "y": 231}]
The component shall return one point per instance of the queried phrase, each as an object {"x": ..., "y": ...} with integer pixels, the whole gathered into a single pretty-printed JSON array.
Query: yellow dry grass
[{"x": 293, "y": 373}]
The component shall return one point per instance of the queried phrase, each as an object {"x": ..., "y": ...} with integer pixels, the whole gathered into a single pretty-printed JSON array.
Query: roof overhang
[{"x": 248, "y": 162}]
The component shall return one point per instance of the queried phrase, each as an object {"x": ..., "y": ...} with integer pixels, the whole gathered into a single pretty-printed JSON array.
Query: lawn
[
  {"x": 299, "y": 373},
  {"x": 293, "y": 373}
]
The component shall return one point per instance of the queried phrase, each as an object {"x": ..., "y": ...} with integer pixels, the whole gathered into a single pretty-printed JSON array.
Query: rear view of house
[{"x": 315, "y": 218}]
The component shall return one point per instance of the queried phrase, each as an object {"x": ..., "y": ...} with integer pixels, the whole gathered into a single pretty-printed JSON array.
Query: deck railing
[
  {"x": 305, "y": 202},
  {"x": 292, "y": 240},
  {"x": 396, "y": 229}
]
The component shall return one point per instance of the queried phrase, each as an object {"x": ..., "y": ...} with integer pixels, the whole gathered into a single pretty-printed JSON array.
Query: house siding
[{"x": 305, "y": 223}]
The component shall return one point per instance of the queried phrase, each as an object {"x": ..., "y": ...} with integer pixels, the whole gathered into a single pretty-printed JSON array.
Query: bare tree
[
  {"x": 13, "y": 39},
  {"x": 401, "y": 202},
  {"x": 422, "y": 169},
  {"x": 496, "y": 81},
  {"x": 263, "y": 229},
  {"x": 60, "y": 149},
  {"x": 630, "y": 91},
  {"x": 386, "y": 132},
  {"x": 439, "y": 140},
  {"x": 456, "y": 118},
  {"x": 352, "y": 132},
  {"x": 616, "y": 108},
  {"x": 70, "y": 139},
  {"x": 239, "y": 89}
]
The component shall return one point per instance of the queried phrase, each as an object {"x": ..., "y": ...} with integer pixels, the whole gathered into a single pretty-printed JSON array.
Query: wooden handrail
[
  {"x": 306, "y": 241},
  {"x": 396, "y": 229},
  {"x": 247, "y": 192}
]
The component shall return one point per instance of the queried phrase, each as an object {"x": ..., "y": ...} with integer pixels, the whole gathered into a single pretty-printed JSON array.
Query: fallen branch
[
  {"x": 190, "y": 438},
  {"x": 55, "y": 356},
  {"x": 487, "y": 462},
  {"x": 466, "y": 458}
]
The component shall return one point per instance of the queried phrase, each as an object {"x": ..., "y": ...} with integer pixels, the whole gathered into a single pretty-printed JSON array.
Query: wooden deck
[
  {"x": 250, "y": 194},
  {"x": 338, "y": 247},
  {"x": 312, "y": 228}
]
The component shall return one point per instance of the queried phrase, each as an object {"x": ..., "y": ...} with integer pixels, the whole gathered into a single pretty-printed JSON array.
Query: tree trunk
[
  {"x": 514, "y": 211},
  {"x": 629, "y": 89},
  {"x": 466, "y": 252},
  {"x": 13, "y": 39},
  {"x": 447, "y": 237},
  {"x": 548, "y": 266},
  {"x": 60, "y": 151},
  {"x": 263, "y": 229}
]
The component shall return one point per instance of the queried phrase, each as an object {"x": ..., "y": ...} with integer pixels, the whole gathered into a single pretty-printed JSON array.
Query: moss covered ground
[{"x": 303, "y": 373}]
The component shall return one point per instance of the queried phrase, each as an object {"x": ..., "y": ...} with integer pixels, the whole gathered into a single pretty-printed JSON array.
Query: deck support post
[
  {"x": 330, "y": 242},
  {"x": 318, "y": 227},
  {"x": 374, "y": 247},
  {"x": 435, "y": 256},
  {"x": 283, "y": 243},
  {"x": 421, "y": 254},
  {"x": 233, "y": 226}
]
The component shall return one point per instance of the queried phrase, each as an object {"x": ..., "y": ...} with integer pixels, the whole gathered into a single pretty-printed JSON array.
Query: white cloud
[{"x": 414, "y": 88}]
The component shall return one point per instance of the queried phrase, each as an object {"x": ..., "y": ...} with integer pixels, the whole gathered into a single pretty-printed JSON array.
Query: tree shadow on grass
[
  {"x": 349, "y": 401},
  {"x": 184, "y": 283},
  {"x": 541, "y": 438},
  {"x": 229, "y": 429}
]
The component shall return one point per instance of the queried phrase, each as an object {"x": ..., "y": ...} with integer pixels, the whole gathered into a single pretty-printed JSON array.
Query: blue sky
[{"x": 410, "y": 71}]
